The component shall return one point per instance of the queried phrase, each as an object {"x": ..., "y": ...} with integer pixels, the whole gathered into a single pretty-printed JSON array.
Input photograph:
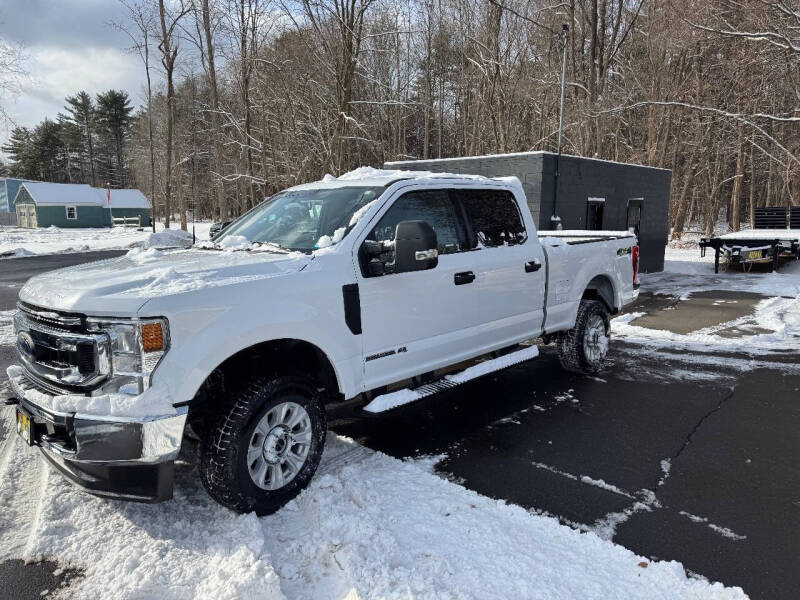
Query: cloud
[
  {"x": 61, "y": 22},
  {"x": 70, "y": 46},
  {"x": 57, "y": 73}
]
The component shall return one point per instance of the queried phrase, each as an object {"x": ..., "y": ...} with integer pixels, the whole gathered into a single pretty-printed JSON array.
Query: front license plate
[
  {"x": 24, "y": 426},
  {"x": 754, "y": 255}
]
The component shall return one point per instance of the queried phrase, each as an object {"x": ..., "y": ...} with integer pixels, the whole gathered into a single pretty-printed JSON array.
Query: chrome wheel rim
[
  {"x": 279, "y": 446},
  {"x": 595, "y": 341}
]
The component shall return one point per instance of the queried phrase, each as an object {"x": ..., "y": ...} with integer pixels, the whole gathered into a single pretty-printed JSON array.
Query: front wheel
[
  {"x": 583, "y": 348},
  {"x": 265, "y": 445}
]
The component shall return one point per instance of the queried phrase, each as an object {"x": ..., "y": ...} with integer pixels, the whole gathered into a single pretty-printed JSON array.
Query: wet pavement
[{"x": 677, "y": 455}]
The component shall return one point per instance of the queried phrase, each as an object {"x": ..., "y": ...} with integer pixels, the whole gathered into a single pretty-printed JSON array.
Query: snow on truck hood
[{"x": 120, "y": 286}]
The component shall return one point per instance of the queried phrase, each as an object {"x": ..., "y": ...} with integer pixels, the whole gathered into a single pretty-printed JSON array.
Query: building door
[
  {"x": 635, "y": 215},
  {"x": 594, "y": 213},
  {"x": 26, "y": 215}
]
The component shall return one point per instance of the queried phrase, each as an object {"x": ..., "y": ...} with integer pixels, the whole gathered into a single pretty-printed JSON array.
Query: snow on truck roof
[
  {"x": 371, "y": 177},
  {"x": 82, "y": 194}
]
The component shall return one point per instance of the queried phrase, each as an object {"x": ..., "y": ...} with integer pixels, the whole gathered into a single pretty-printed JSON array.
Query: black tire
[
  {"x": 570, "y": 344},
  {"x": 223, "y": 452}
]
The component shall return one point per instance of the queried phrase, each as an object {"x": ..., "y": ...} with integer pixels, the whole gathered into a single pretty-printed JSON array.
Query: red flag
[{"x": 108, "y": 195}]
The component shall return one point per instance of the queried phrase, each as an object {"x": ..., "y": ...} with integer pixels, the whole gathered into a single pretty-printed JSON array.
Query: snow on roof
[
  {"x": 60, "y": 193},
  {"x": 517, "y": 154},
  {"x": 130, "y": 198}
]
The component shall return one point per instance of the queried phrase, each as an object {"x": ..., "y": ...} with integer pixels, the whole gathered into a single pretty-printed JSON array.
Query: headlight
[{"x": 137, "y": 346}]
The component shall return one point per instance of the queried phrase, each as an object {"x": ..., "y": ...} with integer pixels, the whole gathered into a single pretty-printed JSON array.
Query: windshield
[{"x": 303, "y": 220}]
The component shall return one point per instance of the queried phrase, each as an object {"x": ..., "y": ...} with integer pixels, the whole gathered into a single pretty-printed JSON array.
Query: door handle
[
  {"x": 532, "y": 266},
  {"x": 463, "y": 278}
]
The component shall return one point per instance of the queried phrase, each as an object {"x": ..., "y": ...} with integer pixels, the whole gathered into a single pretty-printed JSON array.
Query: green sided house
[
  {"x": 128, "y": 207},
  {"x": 69, "y": 205}
]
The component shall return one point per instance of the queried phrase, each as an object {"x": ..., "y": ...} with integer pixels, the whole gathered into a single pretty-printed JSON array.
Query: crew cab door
[
  {"x": 418, "y": 321},
  {"x": 509, "y": 265}
]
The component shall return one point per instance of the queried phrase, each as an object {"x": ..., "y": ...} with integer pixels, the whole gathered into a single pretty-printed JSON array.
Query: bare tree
[
  {"x": 12, "y": 73},
  {"x": 169, "y": 53},
  {"x": 209, "y": 64},
  {"x": 142, "y": 17}
]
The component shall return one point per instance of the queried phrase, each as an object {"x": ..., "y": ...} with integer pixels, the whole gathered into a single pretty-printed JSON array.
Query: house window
[
  {"x": 594, "y": 213},
  {"x": 72, "y": 213}
]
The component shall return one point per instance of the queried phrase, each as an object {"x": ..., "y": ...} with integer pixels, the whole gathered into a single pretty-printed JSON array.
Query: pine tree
[
  {"x": 114, "y": 115},
  {"x": 82, "y": 114},
  {"x": 19, "y": 149}
]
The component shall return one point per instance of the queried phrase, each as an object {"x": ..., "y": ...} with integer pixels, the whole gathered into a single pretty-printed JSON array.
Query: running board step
[{"x": 392, "y": 400}]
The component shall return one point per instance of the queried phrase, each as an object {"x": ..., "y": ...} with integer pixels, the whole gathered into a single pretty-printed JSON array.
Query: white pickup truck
[{"x": 378, "y": 287}]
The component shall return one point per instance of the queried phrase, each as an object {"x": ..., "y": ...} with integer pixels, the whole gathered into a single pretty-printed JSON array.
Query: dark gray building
[{"x": 593, "y": 194}]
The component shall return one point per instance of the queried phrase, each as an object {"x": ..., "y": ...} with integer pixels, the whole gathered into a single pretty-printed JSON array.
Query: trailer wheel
[{"x": 583, "y": 348}]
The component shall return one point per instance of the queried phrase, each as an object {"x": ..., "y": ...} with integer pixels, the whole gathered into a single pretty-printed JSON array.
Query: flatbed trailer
[{"x": 754, "y": 246}]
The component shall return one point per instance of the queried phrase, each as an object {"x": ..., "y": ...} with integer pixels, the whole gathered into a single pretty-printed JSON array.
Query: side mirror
[
  {"x": 375, "y": 267},
  {"x": 415, "y": 247}
]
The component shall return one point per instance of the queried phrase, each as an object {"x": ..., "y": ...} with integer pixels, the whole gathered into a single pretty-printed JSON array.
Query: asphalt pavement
[{"x": 675, "y": 459}]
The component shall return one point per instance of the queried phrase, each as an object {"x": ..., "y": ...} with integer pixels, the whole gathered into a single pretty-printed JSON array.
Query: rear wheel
[
  {"x": 583, "y": 348},
  {"x": 265, "y": 445}
]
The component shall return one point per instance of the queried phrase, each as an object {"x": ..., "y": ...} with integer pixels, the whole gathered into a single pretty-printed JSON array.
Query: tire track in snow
[{"x": 21, "y": 476}]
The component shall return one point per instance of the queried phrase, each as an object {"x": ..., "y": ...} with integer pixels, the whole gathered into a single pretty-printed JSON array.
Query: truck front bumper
[{"x": 127, "y": 458}]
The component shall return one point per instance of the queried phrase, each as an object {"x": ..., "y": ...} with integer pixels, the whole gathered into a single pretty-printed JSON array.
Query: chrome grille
[
  {"x": 68, "y": 358},
  {"x": 50, "y": 318}
]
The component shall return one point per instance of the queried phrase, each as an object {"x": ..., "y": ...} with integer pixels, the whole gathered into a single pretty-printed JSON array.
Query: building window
[
  {"x": 72, "y": 213},
  {"x": 635, "y": 215},
  {"x": 594, "y": 213}
]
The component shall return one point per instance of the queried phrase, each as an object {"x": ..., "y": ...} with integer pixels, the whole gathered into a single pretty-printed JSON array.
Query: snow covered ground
[
  {"x": 686, "y": 271},
  {"x": 19, "y": 242},
  {"x": 760, "y": 337},
  {"x": 369, "y": 526}
]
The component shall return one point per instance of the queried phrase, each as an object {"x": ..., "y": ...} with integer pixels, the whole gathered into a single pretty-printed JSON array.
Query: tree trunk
[
  {"x": 169, "y": 54},
  {"x": 222, "y": 205},
  {"x": 181, "y": 197},
  {"x": 737, "y": 185}
]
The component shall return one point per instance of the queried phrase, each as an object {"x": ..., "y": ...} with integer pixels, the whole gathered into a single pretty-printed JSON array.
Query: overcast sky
[{"x": 70, "y": 47}]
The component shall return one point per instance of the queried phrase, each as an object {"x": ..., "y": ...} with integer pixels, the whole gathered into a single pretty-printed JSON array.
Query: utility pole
[{"x": 555, "y": 220}]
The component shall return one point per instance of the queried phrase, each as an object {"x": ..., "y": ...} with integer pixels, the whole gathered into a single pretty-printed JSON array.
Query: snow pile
[
  {"x": 326, "y": 241},
  {"x": 368, "y": 526},
  {"x": 168, "y": 238},
  {"x": 21, "y": 242},
  {"x": 141, "y": 256},
  {"x": 774, "y": 327},
  {"x": 234, "y": 242}
]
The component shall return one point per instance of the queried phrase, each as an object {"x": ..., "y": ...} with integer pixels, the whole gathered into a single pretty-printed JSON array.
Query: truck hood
[{"x": 120, "y": 286}]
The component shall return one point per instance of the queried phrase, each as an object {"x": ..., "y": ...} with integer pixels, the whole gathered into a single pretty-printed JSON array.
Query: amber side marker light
[{"x": 152, "y": 337}]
